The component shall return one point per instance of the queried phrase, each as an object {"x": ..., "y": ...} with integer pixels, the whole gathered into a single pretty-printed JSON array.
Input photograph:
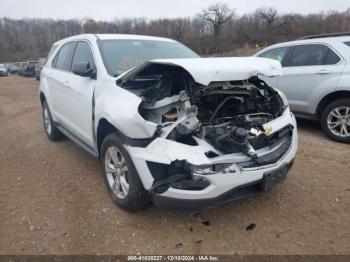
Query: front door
[{"x": 79, "y": 96}]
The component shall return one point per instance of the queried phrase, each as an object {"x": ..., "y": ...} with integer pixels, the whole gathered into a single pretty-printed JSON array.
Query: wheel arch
[
  {"x": 330, "y": 98},
  {"x": 42, "y": 98},
  {"x": 104, "y": 128}
]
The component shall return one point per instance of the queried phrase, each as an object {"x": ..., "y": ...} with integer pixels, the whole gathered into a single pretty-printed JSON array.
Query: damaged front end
[{"x": 212, "y": 138}]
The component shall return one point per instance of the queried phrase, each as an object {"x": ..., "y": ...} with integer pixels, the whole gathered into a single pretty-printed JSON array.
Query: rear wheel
[
  {"x": 335, "y": 120},
  {"x": 120, "y": 176},
  {"x": 51, "y": 130}
]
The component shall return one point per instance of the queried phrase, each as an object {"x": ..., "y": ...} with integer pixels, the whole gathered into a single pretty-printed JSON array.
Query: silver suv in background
[{"x": 316, "y": 80}]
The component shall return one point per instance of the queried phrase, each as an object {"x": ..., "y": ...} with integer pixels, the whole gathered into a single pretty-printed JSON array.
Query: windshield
[{"x": 122, "y": 55}]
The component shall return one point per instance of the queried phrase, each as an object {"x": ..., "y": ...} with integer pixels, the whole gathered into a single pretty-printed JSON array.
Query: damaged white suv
[{"x": 168, "y": 126}]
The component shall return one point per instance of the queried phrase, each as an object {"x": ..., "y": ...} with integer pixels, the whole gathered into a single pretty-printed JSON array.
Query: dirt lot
[{"x": 53, "y": 201}]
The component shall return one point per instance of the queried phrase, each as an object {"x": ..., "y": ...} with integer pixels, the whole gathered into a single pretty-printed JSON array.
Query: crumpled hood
[{"x": 207, "y": 70}]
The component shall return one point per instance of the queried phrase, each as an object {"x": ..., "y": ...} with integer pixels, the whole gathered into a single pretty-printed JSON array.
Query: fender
[
  {"x": 119, "y": 107},
  {"x": 45, "y": 90}
]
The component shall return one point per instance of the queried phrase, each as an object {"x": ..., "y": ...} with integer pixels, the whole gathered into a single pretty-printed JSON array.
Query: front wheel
[
  {"x": 335, "y": 120},
  {"x": 120, "y": 176}
]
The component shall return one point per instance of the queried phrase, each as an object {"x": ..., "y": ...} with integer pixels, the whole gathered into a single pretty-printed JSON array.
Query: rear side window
[
  {"x": 276, "y": 54},
  {"x": 311, "y": 55},
  {"x": 64, "y": 57},
  {"x": 347, "y": 43},
  {"x": 332, "y": 58},
  {"x": 83, "y": 53}
]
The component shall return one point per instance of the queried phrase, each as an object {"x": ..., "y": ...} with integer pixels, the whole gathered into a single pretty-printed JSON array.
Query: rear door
[
  {"x": 311, "y": 70},
  {"x": 58, "y": 81},
  {"x": 78, "y": 95}
]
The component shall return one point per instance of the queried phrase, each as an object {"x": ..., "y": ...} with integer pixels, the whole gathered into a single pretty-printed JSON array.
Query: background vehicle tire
[
  {"x": 51, "y": 130},
  {"x": 120, "y": 176},
  {"x": 335, "y": 120}
]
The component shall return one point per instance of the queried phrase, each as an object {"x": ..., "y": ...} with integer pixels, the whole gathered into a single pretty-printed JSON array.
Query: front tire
[
  {"x": 120, "y": 176},
  {"x": 51, "y": 130},
  {"x": 335, "y": 120}
]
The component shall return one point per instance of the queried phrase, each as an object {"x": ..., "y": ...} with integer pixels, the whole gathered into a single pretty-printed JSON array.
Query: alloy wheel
[
  {"x": 338, "y": 121},
  {"x": 117, "y": 172}
]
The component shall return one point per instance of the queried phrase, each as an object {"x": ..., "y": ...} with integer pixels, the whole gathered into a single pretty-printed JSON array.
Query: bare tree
[
  {"x": 268, "y": 15},
  {"x": 217, "y": 15}
]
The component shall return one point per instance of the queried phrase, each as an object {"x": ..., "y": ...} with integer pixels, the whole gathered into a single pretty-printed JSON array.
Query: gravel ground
[{"x": 53, "y": 201}]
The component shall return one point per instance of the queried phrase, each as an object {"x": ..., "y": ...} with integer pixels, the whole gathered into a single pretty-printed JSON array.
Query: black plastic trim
[
  {"x": 76, "y": 140},
  {"x": 305, "y": 115}
]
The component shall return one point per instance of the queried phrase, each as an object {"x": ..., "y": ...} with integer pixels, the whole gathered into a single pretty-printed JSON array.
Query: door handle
[
  {"x": 66, "y": 84},
  {"x": 324, "y": 72}
]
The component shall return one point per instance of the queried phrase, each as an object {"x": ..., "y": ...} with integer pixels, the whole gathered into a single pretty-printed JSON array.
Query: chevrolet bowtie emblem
[{"x": 267, "y": 130}]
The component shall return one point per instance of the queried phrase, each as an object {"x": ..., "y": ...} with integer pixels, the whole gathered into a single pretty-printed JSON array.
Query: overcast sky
[{"x": 110, "y": 9}]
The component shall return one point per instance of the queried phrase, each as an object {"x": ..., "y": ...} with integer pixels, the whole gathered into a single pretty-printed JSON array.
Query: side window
[
  {"x": 310, "y": 55},
  {"x": 332, "y": 58},
  {"x": 83, "y": 53},
  {"x": 347, "y": 43},
  {"x": 276, "y": 54},
  {"x": 64, "y": 57}
]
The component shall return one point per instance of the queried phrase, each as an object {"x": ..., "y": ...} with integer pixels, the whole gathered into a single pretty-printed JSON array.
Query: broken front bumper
[
  {"x": 242, "y": 179},
  {"x": 269, "y": 180}
]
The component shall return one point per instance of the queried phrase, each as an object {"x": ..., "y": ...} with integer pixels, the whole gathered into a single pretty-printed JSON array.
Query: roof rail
[{"x": 324, "y": 35}]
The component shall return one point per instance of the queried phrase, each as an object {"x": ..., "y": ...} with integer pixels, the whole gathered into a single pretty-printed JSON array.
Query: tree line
[{"x": 216, "y": 30}]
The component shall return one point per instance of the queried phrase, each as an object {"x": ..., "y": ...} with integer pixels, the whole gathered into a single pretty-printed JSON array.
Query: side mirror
[{"x": 84, "y": 69}]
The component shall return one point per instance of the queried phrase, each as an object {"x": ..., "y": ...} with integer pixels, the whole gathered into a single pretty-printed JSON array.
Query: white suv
[
  {"x": 316, "y": 80},
  {"x": 168, "y": 126}
]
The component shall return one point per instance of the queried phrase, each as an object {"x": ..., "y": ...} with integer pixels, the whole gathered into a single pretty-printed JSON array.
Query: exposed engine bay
[{"x": 229, "y": 115}]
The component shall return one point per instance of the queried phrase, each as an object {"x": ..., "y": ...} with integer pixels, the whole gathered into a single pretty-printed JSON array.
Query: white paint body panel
[
  {"x": 207, "y": 70},
  {"x": 120, "y": 108}
]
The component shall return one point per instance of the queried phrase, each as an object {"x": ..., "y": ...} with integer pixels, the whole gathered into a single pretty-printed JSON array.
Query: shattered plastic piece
[{"x": 250, "y": 227}]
